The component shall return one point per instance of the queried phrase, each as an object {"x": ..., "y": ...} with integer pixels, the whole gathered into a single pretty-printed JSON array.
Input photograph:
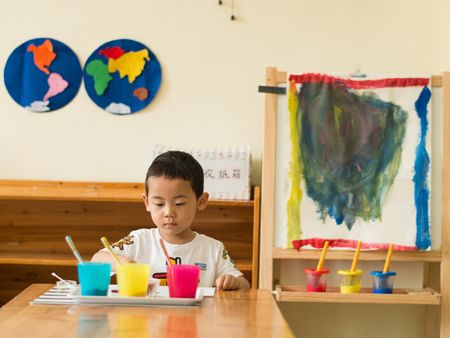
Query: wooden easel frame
[{"x": 438, "y": 262}]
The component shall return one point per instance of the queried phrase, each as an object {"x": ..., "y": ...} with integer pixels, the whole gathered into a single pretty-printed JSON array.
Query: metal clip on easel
[{"x": 358, "y": 73}]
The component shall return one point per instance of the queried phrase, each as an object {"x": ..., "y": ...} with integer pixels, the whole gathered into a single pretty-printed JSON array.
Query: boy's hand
[{"x": 227, "y": 282}]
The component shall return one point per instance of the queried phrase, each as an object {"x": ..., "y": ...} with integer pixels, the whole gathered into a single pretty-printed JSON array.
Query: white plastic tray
[{"x": 114, "y": 299}]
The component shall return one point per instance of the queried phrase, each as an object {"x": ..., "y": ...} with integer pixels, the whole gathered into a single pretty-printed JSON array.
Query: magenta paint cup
[
  {"x": 316, "y": 280},
  {"x": 183, "y": 280}
]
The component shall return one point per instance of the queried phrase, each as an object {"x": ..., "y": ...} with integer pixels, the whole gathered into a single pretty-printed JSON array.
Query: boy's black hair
[{"x": 177, "y": 164}]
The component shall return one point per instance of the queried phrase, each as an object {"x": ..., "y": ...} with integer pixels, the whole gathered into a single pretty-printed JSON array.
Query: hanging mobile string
[
  {"x": 232, "y": 11},
  {"x": 232, "y": 17}
]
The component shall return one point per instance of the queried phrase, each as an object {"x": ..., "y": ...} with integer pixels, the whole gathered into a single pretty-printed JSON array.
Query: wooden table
[{"x": 230, "y": 314}]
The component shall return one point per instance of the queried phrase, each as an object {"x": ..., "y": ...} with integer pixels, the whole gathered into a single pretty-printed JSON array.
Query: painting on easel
[{"x": 359, "y": 162}]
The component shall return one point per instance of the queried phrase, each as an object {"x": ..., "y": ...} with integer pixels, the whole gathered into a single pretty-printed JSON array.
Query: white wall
[{"x": 211, "y": 69}]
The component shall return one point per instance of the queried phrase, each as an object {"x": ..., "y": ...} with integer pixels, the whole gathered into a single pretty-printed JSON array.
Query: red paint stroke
[
  {"x": 318, "y": 243},
  {"x": 360, "y": 84},
  {"x": 112, "y": 53}
]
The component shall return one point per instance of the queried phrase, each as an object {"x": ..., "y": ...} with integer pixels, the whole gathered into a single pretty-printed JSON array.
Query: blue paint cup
[
  {"x": 94, "y": 278},
  {"x": 383, "y": 282}
]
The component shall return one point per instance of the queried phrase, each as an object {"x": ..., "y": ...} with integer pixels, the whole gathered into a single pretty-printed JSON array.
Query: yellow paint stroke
[
  {"x": 130, "y": 64},
  {"x": 296, "y": 194}
]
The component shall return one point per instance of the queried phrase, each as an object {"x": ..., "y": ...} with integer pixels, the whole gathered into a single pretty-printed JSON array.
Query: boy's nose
[{"x": 168, "y": 213}]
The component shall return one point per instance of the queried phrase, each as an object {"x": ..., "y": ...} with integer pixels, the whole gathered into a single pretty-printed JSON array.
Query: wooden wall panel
[
  {"x": 32, "y": 230},
  {"x": 71, "y": 213},
  {"x": 40, "y": 226}
]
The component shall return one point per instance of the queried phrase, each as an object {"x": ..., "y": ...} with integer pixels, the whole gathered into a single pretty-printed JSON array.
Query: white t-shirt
[{"x": 142, "y": 246}]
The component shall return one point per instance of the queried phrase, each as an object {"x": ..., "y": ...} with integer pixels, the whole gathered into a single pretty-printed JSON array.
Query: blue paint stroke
[{"x": 421, "y": 169}]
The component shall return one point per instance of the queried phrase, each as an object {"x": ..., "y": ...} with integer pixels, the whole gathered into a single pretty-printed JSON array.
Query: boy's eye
[
  {"x": 158, "y": 204},
  {"x": 180, "y": 203}
]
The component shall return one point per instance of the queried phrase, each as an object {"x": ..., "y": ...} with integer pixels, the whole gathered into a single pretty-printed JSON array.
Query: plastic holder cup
[
  {"x": 66, "y": 285},
  {"x": 382, "y": 282},
  {"x": 153, "y": 285},
  {"x": 183, "y": 280},
  {"x": 94, "y": 278},
  {"x": 350, "y": 281},
  {"x": 133, "y": 279},
  {"x": 316, "y": 280}
]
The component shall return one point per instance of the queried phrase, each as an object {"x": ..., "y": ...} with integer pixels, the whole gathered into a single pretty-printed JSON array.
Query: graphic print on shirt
[
  {"x": 202, "y": 266},
  {"x": 226, "y": 255},
  {"x": 162, "y": 276},
  {"x": 128, "y": 240}
]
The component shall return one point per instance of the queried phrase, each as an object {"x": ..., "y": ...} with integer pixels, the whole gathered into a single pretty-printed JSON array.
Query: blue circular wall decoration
[
  {"x": 122, "y": 76},
  {"x": 42, "y": 75}
]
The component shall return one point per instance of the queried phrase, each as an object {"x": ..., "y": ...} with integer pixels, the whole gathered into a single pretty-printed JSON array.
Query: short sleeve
[{"x": 225, "y": 264}]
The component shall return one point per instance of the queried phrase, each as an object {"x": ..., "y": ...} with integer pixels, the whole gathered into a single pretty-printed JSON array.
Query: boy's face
[{"x": 172, "y": 204}]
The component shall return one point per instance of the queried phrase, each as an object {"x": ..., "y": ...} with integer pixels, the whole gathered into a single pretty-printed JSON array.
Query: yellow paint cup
[
  {"x": 132, "y": 279},
  {"x": 350, "y": 281}
]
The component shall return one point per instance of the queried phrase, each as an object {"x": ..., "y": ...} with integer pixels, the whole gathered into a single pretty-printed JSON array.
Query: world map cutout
[
  {"x": 122, "y": 76},
  {"x": 42, "y": 75}
]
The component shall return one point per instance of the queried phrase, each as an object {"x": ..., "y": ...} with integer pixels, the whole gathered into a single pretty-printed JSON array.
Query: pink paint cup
[
  {"x": 316, "y": 280},
  {"x": 183, "y": 280}
]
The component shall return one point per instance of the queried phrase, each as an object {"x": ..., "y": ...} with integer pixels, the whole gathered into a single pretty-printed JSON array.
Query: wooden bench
[{"x": 35, "y": 216}]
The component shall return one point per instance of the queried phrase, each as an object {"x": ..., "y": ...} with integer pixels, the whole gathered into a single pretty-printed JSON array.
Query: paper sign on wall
[{"x": 227, "y": 170}]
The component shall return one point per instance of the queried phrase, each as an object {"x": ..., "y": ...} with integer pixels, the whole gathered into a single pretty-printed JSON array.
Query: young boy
[{"x": 173, "y": 194}]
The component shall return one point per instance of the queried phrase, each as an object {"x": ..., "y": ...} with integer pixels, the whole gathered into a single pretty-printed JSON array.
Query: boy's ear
[
  {"x": 203, "y": 201},
  {"x": 144, "y": 197}
]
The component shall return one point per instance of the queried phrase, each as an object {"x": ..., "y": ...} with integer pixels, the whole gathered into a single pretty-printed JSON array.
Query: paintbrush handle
[
  {"x": 388, "y": 258},
  {"x": 111, "y": 251},
  {"x": 322, "y": 256},
  {"x": 74, "y": 249},
  {"x": 163, "y": 247},
  {"x": 356, "y": 257}
]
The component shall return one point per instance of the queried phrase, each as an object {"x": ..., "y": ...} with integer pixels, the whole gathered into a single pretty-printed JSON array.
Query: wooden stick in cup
[
  {"x": 322, "y": 256},
  {"x": 356, "y": 257},
  {"x": 111, "y": 251},
  {"x": 62, "y": 280},
  {"x": 163, "y": 247},
  {"x": 388, "y": 258}
]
